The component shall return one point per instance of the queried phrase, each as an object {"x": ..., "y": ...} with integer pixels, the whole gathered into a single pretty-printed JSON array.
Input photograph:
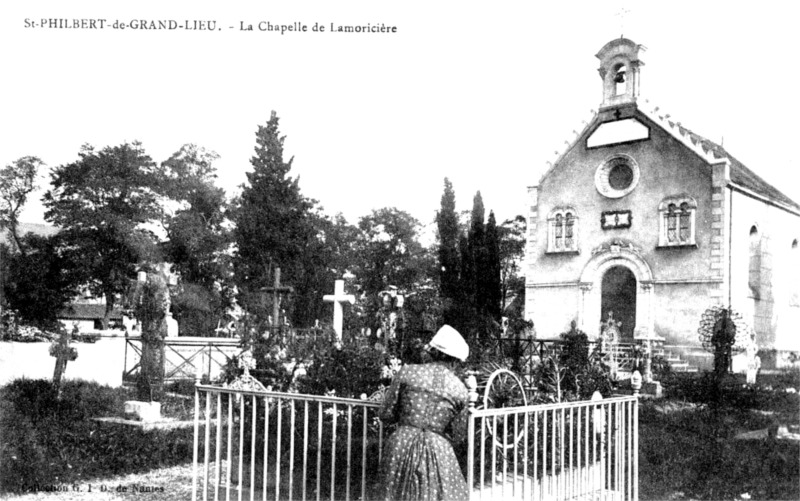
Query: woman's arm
[{"x": 388, "y": 412}]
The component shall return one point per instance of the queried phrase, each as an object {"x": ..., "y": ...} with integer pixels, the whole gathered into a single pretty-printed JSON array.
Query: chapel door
[{"x": 619, "y": 297}]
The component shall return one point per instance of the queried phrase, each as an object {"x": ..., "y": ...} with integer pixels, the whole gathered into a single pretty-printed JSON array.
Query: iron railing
[
  {"x": 524, "y": 354},
  {"x": 184, "y": 357},
  {"x": 574, "y": 450},
  {"x": 271, "y": 445}
]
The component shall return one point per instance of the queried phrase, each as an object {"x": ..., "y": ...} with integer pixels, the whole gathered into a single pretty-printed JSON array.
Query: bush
[
  {"x": 584, "y": 371},
  {"x": 350, "y": 371}
]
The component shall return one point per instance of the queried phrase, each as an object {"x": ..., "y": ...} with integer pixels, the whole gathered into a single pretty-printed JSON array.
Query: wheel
[{"x": 504, "y": 389}]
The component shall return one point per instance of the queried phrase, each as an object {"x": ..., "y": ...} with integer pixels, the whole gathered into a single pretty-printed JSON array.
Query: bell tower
[{"x": 619, "y": 69}]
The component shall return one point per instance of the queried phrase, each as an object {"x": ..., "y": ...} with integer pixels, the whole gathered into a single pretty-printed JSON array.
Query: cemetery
[
  {"x": 264, "y": 345},
  {"x": 568, "y": 419}
]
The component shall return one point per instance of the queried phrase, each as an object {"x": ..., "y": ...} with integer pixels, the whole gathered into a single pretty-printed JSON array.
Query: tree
[
  {"x": 478, "y": 255},
  {"x": 389, "y": 252},
  {"x": 41, "y": 282},
  {"x": 512, "y": 251},
  {"x": 490, "y": 278},
  {"x": 104, "y": 202},
  {"x": 448, "y": 233},
  {"x": 273, "y": 223},
  {"x": 330, "y": 255},
  {"x": 17, "y": 181},
  {"x": 197, "y": 239}
]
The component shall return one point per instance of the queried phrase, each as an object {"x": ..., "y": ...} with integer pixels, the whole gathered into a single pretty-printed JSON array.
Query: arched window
[
  {"x": 754, "y": 263},
  {"x": 559, "y": 231},
  {"x": 677, "y": 220},
  {"x": 562, "y": 230},
  {"x": 569, "y": 233},
  {"x": 620, "y": 80}
]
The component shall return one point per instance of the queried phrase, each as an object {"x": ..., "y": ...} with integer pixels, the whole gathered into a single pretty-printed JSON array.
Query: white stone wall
[
  {"x": 775, "y": 315},
  {"x": 100, "y": 362}
]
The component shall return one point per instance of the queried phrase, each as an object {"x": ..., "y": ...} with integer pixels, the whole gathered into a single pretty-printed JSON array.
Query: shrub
[
  {"x": 350, "y": 371},
  {"x": 584, "y": 371}
]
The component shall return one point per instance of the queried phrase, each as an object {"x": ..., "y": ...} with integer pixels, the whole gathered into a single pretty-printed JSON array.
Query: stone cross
[
  {"x": 337, "y": 298},
  {"x": 63, "y": 353},
  {"x": 277, "y": 289}
]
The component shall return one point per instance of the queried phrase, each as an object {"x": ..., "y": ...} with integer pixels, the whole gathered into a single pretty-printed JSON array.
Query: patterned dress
[{"x": 428, "y": 402}]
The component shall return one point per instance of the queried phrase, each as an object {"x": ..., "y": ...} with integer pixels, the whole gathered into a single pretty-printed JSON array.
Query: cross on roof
[
  {"x": 337, "y": 298},
  {"x": 621, "y": 12}
]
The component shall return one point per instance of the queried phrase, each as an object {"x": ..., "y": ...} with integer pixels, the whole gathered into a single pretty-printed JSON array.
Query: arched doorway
[{"x": 618, "y": 295}]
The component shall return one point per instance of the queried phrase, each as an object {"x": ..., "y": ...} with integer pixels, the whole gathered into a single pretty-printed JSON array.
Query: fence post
[
  {"x": 472, "y": 387},
  {"x": 196, "y": 438}
]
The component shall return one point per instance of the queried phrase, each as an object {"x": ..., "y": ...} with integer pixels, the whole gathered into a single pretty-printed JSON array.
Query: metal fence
[
  {"x": 271, "y": 445},
  {"x": 574, "y": 450},
  {"x": 525, "y": 354},
  {"x": 184, "y": 357}
]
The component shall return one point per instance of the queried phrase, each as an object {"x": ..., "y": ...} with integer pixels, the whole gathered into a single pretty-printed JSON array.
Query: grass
[
  {"x": 46, "y": 440},
  {"x": 688, "y": 447}
]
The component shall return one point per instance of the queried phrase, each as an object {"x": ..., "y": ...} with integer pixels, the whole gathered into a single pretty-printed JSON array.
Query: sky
[{"x": 482, "y": 93}]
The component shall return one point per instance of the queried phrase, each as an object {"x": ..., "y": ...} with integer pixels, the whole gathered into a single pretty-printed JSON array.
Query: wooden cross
[
  {"x": 337, "y": 298},
  {"x": 277, "y": 289}
]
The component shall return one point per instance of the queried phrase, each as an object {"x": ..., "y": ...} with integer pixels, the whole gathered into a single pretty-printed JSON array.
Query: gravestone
[
  {"x": 337, "y": 298},
  {"x": 63, "y": 353},
  {"x": 172, "y": 325},
  {"x": 753, "y": 363},
  {"x": 277, "y": 290}
]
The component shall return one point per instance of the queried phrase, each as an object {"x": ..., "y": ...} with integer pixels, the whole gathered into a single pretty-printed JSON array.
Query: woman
[{"x": 429, "y": 403}]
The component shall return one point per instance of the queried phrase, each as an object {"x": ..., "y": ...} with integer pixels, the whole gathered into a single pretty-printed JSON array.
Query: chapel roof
[{"x": 712, "y": 152}]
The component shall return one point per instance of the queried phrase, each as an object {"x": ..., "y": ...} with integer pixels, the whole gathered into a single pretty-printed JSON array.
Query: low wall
[{"x": 101, "y": 362}]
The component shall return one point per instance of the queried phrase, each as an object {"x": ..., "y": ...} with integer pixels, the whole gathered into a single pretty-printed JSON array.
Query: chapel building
[{"x": 643, "y": 219}]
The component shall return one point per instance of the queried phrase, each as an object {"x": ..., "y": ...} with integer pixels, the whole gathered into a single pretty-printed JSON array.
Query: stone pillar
[
  {"x": 152, "y": 305},
  {"x": 719, "y": 262}
]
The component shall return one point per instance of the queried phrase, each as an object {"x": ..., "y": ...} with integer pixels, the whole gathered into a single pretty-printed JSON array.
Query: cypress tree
[
  {"x": 448, "y": 232},
  {"x": 491, "y": 282},
  {"x": 273, "y": 223},
  {"x": 478, "y": 255},
  {"x": 467, "y": 279}
]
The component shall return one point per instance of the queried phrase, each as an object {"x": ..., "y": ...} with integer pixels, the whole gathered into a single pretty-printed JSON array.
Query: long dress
[{"x": 429, "y": 403}]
